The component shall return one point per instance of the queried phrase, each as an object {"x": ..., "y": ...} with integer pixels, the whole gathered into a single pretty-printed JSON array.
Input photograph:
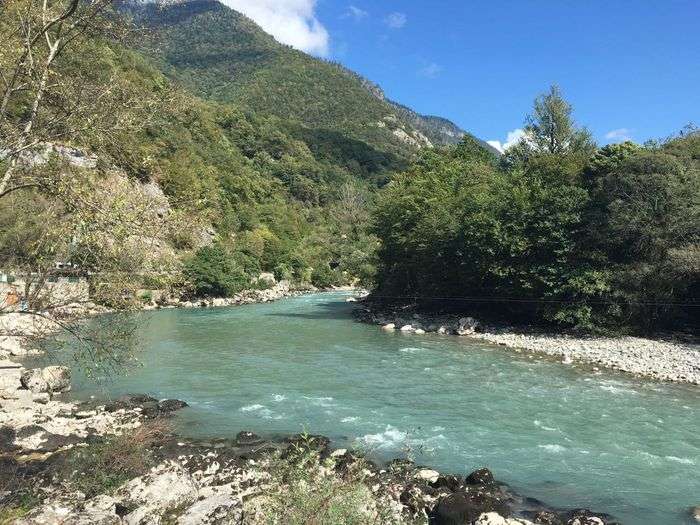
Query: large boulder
[
  {"x": 165, "y": 488},
  {"x": 426, "y": 474},
  {"x": 216, "y": 505},
  {"x": 267, "y": 278},
  {"x": 462, "y": 508},
  {"x": 50, "y": 379},
  {"x": 130, "y": 402},
  {"x": 482, "y": 476},
  {"x": 448, "y": 482}
]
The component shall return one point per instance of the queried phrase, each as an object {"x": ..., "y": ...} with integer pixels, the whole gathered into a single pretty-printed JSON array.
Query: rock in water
[
  {"x": 547, "y": 517},
  {"x": 49, "y": 379},
  {"x": 171, "y": 405},
  {"x": 130, "y": 402},
  {"x": 247, "y": 438},
  {"x": 466, "y": 507},
  {"x": 482, "y": 476},
  {"x": 389, "y": 327},
  {"x": 695, "y": 513}
]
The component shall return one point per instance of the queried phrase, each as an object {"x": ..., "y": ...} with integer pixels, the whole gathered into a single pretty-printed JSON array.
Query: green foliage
[
  {"x": 103, "y": 467},
  {"x": 310, "y": 491},
  {"x": 593, "y": 241},
  {"x": 324, "y": 277},
  {"x": 214, "y": 272}
]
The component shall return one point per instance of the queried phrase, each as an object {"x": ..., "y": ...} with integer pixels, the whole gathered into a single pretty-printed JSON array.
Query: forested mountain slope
[{"x": 222, "y": 55}]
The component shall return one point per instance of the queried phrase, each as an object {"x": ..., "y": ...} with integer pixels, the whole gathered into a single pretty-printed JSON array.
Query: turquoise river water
[{"x": 566, "y": 436}]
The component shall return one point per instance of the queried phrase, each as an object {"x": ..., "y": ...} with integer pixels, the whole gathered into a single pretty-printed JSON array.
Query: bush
[
  {"x": 324, "y": 277},
  {"x": 104, "y": 467},
  {"x": 311, "y": 492},
  {"x": 213, "y": 272}
]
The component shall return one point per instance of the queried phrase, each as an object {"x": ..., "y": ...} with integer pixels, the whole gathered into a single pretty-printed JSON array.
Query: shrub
[
  {"x": 324, "y": 277},
  {"x": 214, "y": 272},
  {"x": 312, "y": 492},
  {"x": 103, "y": 467}
]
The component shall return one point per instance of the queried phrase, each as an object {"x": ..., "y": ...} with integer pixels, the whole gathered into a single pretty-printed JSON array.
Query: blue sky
[{"x": 631, "y": 68}]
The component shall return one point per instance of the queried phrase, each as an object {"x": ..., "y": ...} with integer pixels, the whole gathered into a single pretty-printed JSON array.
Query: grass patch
[
  {"x": 313, "y": 492},
  {"x": 18, "y": 492},
  {"x": 103, "y": 467}
]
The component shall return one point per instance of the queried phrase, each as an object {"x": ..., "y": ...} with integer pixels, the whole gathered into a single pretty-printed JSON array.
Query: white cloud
[
  {"x": 432, "y": 70},
  {"x": 512, "y": 139},
  {"x": 619, "y": 135},
  {"x": 356, "y": 13},
  {"x": 292, "y": 22},
  {"x": 396, "y": 20}
]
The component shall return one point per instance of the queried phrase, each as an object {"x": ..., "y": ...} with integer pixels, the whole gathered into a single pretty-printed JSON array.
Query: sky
[{"x": 630, "y": 68}]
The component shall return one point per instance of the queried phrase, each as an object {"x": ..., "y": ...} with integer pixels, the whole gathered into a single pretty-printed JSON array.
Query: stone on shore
[
  {"x": 98, "y": 511},
  {"x": 248, "y": 438},
  {"x": 431, "y": 476},
  {"x": 467, "y": 326},
  {"x": 50, "y": 379},
  {"x": 465, "y": 507},
  {"x": 163, "y": 489}
]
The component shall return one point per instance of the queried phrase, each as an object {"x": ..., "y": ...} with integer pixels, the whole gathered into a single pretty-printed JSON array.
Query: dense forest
[
  {"x": 252, "y": 184},
  {"x": 271, "y": 160},
  {"x": 556, "y": 231}
]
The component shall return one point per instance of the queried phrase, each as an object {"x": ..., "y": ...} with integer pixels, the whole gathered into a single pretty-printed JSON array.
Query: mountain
[{"x": 222, "y": 55}]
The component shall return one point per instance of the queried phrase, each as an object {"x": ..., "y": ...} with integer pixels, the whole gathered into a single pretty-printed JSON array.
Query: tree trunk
[{"x": 26, "y": 132}]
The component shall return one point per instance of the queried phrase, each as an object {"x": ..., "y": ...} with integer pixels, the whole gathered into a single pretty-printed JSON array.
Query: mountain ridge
[{"x": 221, "y": 54}]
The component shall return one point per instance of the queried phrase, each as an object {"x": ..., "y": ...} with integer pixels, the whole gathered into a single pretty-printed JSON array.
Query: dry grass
[{"x": 103, "y": 467}]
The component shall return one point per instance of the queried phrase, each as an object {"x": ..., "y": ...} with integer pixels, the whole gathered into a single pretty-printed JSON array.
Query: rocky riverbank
[
  {"x": 275, "y": 291},
  {"x": 119, "y": 463},
  {"x": 665, "y": 360}
]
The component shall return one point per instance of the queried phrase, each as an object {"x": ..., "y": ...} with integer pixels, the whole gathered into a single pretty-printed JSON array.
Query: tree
[
  {"x": 64, "y": 211},
  {"x": 550, "y": 129},
  {"x": 213, "y": 272},
  {"x": 46, "y": 95}
]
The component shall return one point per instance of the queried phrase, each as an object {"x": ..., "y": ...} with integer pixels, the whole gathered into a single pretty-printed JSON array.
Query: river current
[{"x": 568, "y": 436}]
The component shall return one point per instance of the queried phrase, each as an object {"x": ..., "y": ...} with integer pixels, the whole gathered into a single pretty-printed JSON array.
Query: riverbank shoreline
[
  {"x": 230, "y": 480},
  {"x": 657, "y": 359},
  {"x": 216, "y": 479}
]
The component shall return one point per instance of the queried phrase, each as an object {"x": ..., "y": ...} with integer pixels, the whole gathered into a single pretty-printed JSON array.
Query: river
[{"x": 566, "y": 436}]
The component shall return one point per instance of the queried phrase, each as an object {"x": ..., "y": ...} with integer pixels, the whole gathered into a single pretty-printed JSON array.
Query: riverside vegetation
[
  {"x": 555, "y": 231},
  {"x": 137, "y": 155}
]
